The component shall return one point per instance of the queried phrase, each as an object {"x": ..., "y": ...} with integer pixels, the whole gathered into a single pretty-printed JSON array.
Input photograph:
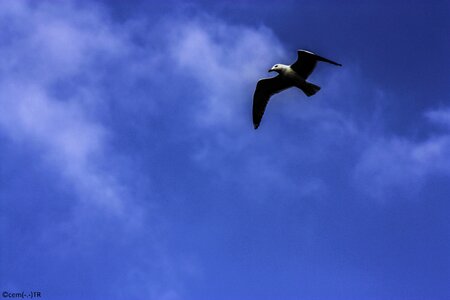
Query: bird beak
[{"x": 270, "y": 70}]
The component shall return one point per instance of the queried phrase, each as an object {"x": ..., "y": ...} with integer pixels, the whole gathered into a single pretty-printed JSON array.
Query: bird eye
[{"x": 276, "y": 66}]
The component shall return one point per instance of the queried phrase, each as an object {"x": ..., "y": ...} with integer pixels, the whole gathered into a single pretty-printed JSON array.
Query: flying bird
[{"x": 288, "y": 76}]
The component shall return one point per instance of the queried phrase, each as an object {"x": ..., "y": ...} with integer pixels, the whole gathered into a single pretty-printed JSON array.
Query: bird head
[{"x": 275, "y": 68}]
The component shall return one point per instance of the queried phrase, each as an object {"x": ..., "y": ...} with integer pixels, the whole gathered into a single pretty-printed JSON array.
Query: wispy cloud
[
  {"x": 439, "y": 116},
  {"x": 224, "y": 61},
  {"x": 55, "y": 78},
  {"x": 53, "y": 46},
  {"x": 401, "y": 164}
]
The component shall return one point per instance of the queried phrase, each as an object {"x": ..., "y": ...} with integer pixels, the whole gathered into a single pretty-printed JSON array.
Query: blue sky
[{"x": 129, "y": 167}]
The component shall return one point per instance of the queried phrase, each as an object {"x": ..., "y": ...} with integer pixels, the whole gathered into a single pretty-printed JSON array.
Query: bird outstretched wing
[
  {"x": 265, "y": 88},
  {"x": 306, "y": 62}
]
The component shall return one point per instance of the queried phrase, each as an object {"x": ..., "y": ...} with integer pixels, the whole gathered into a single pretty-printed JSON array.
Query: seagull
[{"x": 288, "y": 76}]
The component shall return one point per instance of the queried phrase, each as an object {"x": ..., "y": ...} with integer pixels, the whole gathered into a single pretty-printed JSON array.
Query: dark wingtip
[{"x": 255, "y": 126}]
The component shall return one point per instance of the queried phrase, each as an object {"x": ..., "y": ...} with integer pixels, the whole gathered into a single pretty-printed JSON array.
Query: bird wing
[
  {"x": 306, "y": 62},
  {"x": 265, "y": 88}
]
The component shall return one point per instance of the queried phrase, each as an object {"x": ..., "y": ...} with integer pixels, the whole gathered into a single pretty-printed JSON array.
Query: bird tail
[{"x": 309, "y": 89}]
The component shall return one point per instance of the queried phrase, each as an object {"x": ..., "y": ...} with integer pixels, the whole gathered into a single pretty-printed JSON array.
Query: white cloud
[
  {"x": 61, "y": 44},
  {"x": 439, "y": 116},
  {"x": 45, "y": 45},
  {"x": 225, "y": 61},
  {"x": 51, "y": 45},
  {"x": 391, "y": 164}
]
